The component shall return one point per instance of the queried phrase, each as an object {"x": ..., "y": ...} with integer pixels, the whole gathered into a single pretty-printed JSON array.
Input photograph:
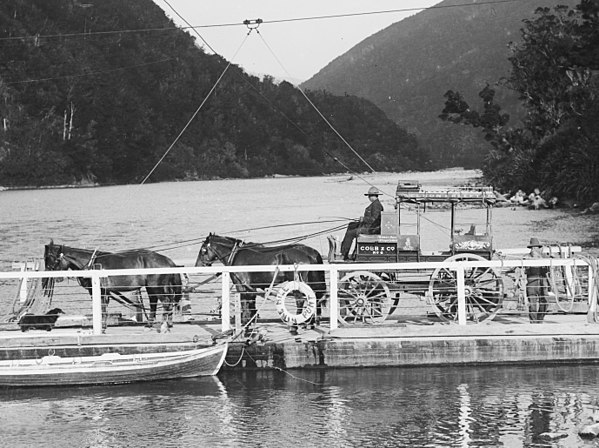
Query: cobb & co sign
[{"x": 377, "y": 248}]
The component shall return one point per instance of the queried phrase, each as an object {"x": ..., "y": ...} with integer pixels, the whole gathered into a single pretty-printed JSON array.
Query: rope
[
  {"x": 254, "y": 317},
  {"x": 316, "y": 108},
  {"x": 238, "y": 361},
  {"x": 289, "y": 225},
  {"x": 195, "y": 113},
  {"x": 305, "y": 237},
  {"x": 295, "y": 377},
  {"x": 593, "y": 262},
  {"x": 286, "y": 372},
  {"x": 191, "y": 242},
  {"x": 285, "y": 240}
]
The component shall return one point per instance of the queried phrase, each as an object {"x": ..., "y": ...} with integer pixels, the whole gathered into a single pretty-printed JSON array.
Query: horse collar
[
  {"x": 232, "y": 253},
  {"x": 91, "y": 259}
]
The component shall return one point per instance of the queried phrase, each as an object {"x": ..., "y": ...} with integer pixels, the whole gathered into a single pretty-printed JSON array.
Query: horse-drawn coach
[{"x": 369, "y": 296}]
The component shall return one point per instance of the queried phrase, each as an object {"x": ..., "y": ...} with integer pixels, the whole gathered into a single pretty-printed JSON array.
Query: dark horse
[
  {"x": 163, "y": 287},
  {"x": 233, "y": 252}
]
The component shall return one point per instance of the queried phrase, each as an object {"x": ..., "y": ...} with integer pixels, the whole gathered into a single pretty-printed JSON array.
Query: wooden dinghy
[{"x": 112, "y": 368}]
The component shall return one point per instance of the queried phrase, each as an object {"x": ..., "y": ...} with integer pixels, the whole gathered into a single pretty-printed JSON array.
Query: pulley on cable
[{"x": 252, "y": 24}]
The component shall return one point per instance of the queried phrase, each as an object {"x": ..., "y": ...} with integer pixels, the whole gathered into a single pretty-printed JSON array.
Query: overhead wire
[
  {"x": 196, "y": 240},
  {"x": 189, "y": 25},
  {"x": 314, "y": 106},
  {"x": 274, "y": 21},
  {"x": 205, "y": 98},
  {"x": 195, "y": 113},
  {"x": 246, "y": 22},
  {"x": 260, "y": 93},
  {"x": 199, "y": 108},
  {"x": 388, "y": 11},
  {"x": 252, "y": 28}
]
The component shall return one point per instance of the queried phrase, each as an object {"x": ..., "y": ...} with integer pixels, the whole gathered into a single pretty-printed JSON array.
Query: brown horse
[
  {"x": 163, "y": 287},
  {"x": 233, "y": 252}
]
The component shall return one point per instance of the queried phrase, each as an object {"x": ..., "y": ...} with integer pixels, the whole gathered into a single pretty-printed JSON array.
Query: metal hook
[{"x": 295, "y": 274}]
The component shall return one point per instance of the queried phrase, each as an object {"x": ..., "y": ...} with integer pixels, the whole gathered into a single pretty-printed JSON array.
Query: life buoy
[{"x": 309, "y": 306}]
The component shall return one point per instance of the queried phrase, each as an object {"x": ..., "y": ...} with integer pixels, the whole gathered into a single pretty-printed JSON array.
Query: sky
[{"x": 293, "y": 50}]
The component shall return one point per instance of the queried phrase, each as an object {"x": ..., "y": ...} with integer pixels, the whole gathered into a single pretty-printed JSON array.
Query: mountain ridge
[
  {"x": 406, "y": 68},
  {"x": 83, "y": 102}
]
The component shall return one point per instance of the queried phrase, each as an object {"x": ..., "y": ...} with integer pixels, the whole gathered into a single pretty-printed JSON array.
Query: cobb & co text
[{"x": 376, "y": 249}]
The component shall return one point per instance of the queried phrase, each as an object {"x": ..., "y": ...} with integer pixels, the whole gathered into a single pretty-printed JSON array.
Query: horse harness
[
  {"x": 230, "y": 257},
  {"x": 62, "y": 256},
  {"x": 231, "y": 254},
  {"x": 238, "y": 244}
]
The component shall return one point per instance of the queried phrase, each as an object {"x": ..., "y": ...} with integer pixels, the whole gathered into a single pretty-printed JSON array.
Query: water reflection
[{"x": 461, "y": 407}]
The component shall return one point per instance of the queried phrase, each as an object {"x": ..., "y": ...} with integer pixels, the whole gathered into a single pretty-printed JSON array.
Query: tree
[
  {"x": 555, "y": 72},
  {"x": 80, "y": 102}
]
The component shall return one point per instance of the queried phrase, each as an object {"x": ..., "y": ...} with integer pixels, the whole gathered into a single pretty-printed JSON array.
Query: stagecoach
[{"x": 370, "y": 296}]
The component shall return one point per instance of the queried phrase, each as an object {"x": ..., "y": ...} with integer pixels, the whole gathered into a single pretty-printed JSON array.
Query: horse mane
[
  {"x": 251, "y": 244},
  {"x": 229, "y": 239},
  {"x": 98, "y": 253}
]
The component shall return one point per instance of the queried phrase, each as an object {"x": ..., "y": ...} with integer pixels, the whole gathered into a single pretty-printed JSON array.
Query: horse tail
[{"x": 176, "y": 287}]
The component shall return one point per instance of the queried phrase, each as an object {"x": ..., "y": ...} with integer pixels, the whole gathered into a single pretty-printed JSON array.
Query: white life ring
[{"x": 309, "y": 307}]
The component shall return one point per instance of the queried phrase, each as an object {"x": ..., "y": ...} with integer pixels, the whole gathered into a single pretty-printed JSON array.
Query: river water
[
  {"x": 484, "y": 406},
  {"x": 419, "y": 407},
  {"x": 174, "y": 218}
]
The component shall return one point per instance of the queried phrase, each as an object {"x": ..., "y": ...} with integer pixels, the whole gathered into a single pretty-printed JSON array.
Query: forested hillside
[
  {"x": 407, "y": 68},
  {"x": 555, "y": 71},
  {"x": 81, "y": 103}
]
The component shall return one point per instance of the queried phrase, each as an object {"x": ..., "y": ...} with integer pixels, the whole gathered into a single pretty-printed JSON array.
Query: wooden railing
[{"x": 334, "y": 271}]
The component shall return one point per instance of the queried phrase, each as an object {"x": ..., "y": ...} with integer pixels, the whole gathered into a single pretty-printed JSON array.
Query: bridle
[
  {"x": 57, "y": 259},
  {"x": 70, "y": 260},
  {"x": 227, "y": 259},
  {"x": 224, "y": 259}
]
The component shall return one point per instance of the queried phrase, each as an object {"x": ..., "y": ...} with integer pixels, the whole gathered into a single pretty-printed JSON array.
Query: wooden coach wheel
[
  {"x": 483, "y": 288},
  {"x": 364, "y": 298}
]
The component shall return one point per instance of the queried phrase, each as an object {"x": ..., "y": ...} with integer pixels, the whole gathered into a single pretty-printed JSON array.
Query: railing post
[
  {"x": 592, "y": 310},
  {"x": 96, "y": 303},
  {"x": 23, "y": 286},
  {"x": 461, "y": 295},
  {"x": 333, "y": 302},
  {"x": 225, "y": 302}
]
